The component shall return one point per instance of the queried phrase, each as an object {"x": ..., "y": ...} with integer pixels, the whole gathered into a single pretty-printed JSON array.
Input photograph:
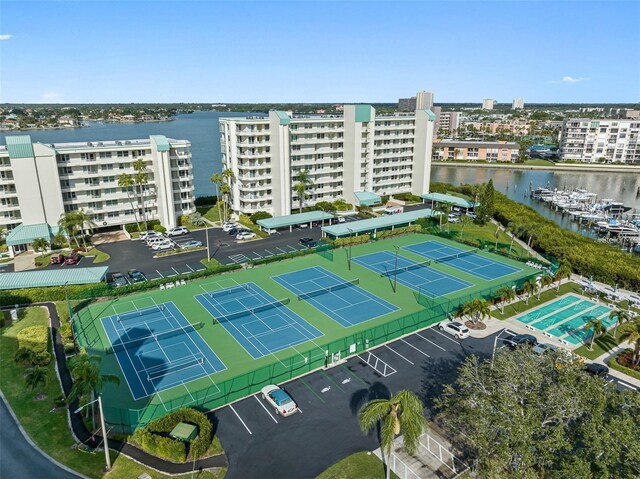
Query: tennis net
[
  {"x": 172, "y": 367},
  {"x": 140, "y": 312},
  {"x": 250, "y": 311},
  {"x": 225, "y": 292},
  {"x": 444, "y": 259},
  {"x": 120, "y": 345},
  {"x": 328, "y": 289},
  {"x": 409, "y": 267}
]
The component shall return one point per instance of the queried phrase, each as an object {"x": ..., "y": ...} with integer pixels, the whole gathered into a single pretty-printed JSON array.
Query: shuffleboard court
[
  {"x": 550, "y": 308},
  {"x": 157, "y": 348},
  {"x": 343, "y": 301},
  {"x": 259, "y": 322},
  {"x": 464, "y": 260},
  {"x": 416, "y": 276}
]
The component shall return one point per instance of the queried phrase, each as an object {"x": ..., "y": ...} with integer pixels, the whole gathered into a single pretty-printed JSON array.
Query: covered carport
[
  {"x": 307, "y": 218},
  {"x": 53, "y": 277},
  {"x": 22, "y": 236},
  {"x": 435, "y": 198},
  {"x": 366, "y": 198},
  {"x": 373, "y": 225}
]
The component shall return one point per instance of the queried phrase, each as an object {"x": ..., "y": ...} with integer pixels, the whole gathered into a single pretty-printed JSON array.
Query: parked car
[
  {"x": 543, "y": 348},
  {"x": 147, "y": 235},
  {"x": 136, "y": 276},
  {"x": 595, "y": 369},
  {"x": 118, "y": 279},
  {"x": 454, "y": 328},
  {"x": 514, "y": 341},
  {"x": 279, "y": 399},
  {"x": 341, "y": 219},
  {"x": 237, "y": 229},
  {"x": 227, "y": 226},
  {"x": 190, "y": 244},
  {"x": 302, "y": 226},
  {"x": 73, "y": 258},
  {"x": 471, "y": 215},
  {"x": 164, "y": 245},
  {"x": 57, "y": 258},
  {"x": 306, "y": 241},
  {"x": 454, "y": 218},
  {"x": 156, "y": 239},
  {"x": 245, "y": 235},
  {"x": 178, "y": 231}
]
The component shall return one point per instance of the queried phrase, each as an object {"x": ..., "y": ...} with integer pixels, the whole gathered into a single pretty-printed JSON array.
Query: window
[
  {"x": 87, "y": 156},
  {"x": 106, "y": 167},
  {"x": 111, "y": 203},
  {"x": 105, "y": 154},
  {"x": 62, "y": 158}
]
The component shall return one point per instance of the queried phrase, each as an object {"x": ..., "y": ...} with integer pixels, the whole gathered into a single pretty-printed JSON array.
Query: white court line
[
  {"x": 436, "y": 345},
  {"x": 445, "y": 336},
  {"x": 396, "y": 352},
  {"x": 263, "y": 407},
  {"x": 419, "y": 350},
  {"x": 236, "y": 413}
]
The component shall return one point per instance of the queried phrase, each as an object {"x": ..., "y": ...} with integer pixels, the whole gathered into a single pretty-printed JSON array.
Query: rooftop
[
  {"x": 22, "y": 144},
  {"x": 373, "y": 224},
  {"x": 54, "y": 277},
  {"x": 290, "y": 220},
  {"x": 26, "y": 234},
  {"x": 449, "y": 199}
]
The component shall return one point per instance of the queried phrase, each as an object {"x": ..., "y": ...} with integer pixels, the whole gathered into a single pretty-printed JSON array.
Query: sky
[{"x": 309, "y": 51}]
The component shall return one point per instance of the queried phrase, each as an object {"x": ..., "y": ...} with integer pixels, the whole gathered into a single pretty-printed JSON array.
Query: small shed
[{"x": 184, "y": 432}]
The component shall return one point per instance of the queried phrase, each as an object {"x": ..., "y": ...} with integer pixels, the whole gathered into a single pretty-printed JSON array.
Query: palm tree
[
  {"x": 141, "y": 178},
  {"x": 85, "y": 372},
  {"x": 477, "y": 309},
  {"x": 402, "y": 413},
  {"x": 621, "y": 316},
  {"x": 506, "y": 294},
  {"x": 304, "y": 182},
  {"x": 598, "y": 328},
  {"x": 464, "y": 219},
  {"x": 631, "y": 334},
  {"x": 225, "y": 190},
  {"x": 227, "y": 176},
  {"x": 563, "y": 272},
  {"x": 40, "y": 244},
  {"x": 216, "y": 179},
  {"x": 125, "y": 181},
  {"x": 545, "y": 281},
  {"x": 510, "y": 228},
  {"x": 69, "y": 224},
  {"x": 84, "y": 222},
  {"x": 528, "y": 289},
  {"x": 35, "y": 377}
]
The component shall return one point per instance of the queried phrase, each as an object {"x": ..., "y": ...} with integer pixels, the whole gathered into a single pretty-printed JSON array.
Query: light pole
[
  {"x": 395, "y": 270},
  {"x": 350, "y": 245},
  {"x": 206, "y": 232},
  {"x": 102, "y": 426}
]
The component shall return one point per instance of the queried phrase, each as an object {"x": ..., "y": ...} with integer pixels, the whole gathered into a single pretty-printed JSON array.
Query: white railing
[
  {"x": 402, "y": 469},
  {"x": 442, "y": 454}
]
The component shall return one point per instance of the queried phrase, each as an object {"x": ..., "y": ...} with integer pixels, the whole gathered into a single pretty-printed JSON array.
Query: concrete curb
[{"x": 34, "y": 445}]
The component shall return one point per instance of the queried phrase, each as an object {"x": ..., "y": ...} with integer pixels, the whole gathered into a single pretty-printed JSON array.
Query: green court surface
[{"x": 244, "y": 375}]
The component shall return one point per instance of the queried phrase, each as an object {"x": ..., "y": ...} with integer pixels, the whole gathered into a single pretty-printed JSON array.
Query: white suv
[
  {"x": 178, "y": 231},
  {"x": 229, "y": 226},
  {"x": 454, "y": 328}
]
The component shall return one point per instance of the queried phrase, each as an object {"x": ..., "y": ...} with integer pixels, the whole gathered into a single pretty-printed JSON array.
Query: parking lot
[{"x": 260, "y": 443}]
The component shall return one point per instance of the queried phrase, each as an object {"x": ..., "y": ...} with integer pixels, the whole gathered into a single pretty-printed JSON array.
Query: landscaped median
[
  {"x": 623, "y": 362},
  {"x": 361, "y": 465}
]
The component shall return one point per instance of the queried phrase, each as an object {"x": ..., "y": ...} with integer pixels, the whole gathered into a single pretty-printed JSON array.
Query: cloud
[
  {"x": 569, "y": 79},
  {"x": 52, "y": 97},
  {"x": 5, "y": 36}
]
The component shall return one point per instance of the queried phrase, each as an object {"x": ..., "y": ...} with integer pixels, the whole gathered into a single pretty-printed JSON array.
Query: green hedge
[
  {"x": 153, "y": 439},
  {"x": 354, "y": 240},
  {"x": 133, "y": 227},
  {"x": 281, "y": 257},
  {"x": 613, "y": 364},
  {"x": 398, "y": 231}
]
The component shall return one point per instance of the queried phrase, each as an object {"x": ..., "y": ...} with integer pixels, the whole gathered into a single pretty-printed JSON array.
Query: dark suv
[
  {"x": 595, "y": 369},
  {"x": 514, "y": 341},
  {"x": 308, "y": 242}
]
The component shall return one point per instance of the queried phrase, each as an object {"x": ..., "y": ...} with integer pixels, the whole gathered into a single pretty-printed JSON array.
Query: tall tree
[
  {"x": 597, "y": 328},
  {"x": 477, "y": 309},
  {"x": 228, "y": 177},
  {"x": 84, "y": 223},
  {"x": 141, "y": 179},
  {"x": 486, "y": 208},
  {"x": 563, "y": 272},
  {"x": 69, "y": 224},
  {"x": 545, "y": 281},
  {"x": 304, "y": 182},
  {"x": 402, "y": 413},
  {"x": 505, "y": 294},
  {"x": 621, "y": 316},
  {"x": 125, "y": 182},
  {"x": 528, "y": 289},
  {"x": 40, "y": 244},
  {"x": 216, "y": 179},
  {"x": 630, "y": 332}
]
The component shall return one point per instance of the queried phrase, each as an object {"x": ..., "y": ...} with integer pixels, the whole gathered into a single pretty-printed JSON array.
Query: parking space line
[
  {"x": 236, "y": 413},
  {"x": 627, "y": 385},
  {"x": 292, "y": 248},
  {"x": 445, "y": 336},
  {"x": 436, "y": 345},
  {"x": 159, "y": 274},
  {"x": 419, "y": 350},
  {"x": 264, "y": 407},
  {"x": 270, "y": 253},
  {"x": 283, "y": 251},
  {"x": 175, "y": 270},
  {"x": 312, "y": 391},
  {"x": 192, "y": 270},
  {"x": 396, "y": 352},
  {"x": 330, "y": 379}
]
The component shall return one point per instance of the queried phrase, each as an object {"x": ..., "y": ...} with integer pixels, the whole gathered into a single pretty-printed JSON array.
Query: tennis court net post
[
  {"x": 250, "y": 311},
  {"x": 328, "y": 289}
]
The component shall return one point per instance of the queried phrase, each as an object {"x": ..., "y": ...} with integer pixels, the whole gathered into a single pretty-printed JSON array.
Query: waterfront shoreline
[{"x": 517, "y": 166}]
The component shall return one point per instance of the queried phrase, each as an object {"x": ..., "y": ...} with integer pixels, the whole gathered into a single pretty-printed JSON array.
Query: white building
[
  {"x": 424, "y": 100},
  {"x": 488, "y": 104},
  {"x": 344, "y": 155},
  {"x": 39, "y": 182},
  {"x": 593, "y": 141},
  {"x": 447, "y": 122},
  {"x": 517, "y": 104}
]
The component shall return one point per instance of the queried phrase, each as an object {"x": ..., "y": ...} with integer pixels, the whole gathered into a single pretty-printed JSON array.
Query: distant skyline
[{"x": 312, "y": 52}]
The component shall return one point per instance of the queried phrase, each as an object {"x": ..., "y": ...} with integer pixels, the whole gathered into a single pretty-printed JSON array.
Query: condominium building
[
  {"x": 446, "y": 121},
  {"x": 517, "y": 104},
  {"x": 424, "y": 100},
  {"x": 492, "y": 151},
  {"x": 488, "y": 104},
  {"x": 343, "y": 155},
  {"x": 591, "y": 141},
  {"x": 39, "y": 182}
]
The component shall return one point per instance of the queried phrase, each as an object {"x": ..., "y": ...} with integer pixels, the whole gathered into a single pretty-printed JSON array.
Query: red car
[
  {"x": 73, "y": 258},
  {"x": 57, "y": 259}
]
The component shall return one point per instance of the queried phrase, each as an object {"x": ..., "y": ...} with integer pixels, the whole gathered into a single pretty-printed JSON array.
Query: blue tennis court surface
[
  {"x": 260, "y": 323},
  {"x": 157, "y": 348},
  {"x": 413, "y": 275},
  {"x": 343, "y": 301},
  {"x": 474, "y": 264}
]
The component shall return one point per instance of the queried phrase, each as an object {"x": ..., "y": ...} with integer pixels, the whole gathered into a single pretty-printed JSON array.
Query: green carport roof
[
  {"x": 25, "y": 234},
  {"x": 297, "y": 219},
  {"x": 54, "y": 277},
  {"x": 372, "y": 224},
  {"x": 450, "y": 199},
  {"x": 19, "y": 146},
  {"x": 367, "y": 198}
]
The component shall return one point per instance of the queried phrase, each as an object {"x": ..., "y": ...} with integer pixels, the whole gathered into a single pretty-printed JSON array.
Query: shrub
[
  {"x": 161, "y": 446},
  {"x": 133, "y": 228},
  {"x": 342, "y": 205},
  {"x": 325, "y": 205},
  {"x": 408, "y": 197},
  {"x": 205, "y": 201},
  {"x": 34, "y": 338},
  {"x": 159, "y": 229},
  {"x": 615, "y": 365},
  {"x": 360, "y": 239},
  {"x": 259, "y": 215}
]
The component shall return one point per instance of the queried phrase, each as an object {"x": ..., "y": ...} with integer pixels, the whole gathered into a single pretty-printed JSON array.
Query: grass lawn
[
  {"x": 363, "y": 465},
  {"x": 42, "y": 261},
  {"x": 125, "y": 468},
  {"x": 601, "y": 345},
  {"x": 539, "y": 162},
  {"x": 100, "y": 256},
  {"x": 210, "y": 212},
  {"x": 211, "y": 264},
  {"x": 474, "y": 232},
  {"x": 245, "y": 221},
  {"x": 518, "y": 307}
]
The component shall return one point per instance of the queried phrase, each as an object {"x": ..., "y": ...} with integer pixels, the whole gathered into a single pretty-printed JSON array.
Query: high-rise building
[
  {"x": 407, "y": 104},
  {"x": 488, "y": 104},
  {"x": 492, "y": 151},
  {"x": 39, "y": 182},
  {"x": 446, "y": 122},
  {"x": 605, "y": 140},
  {"x": 343, "y": 154},
  {"x": 424, "y": 100},
  {"x": 517, "y": 104}
]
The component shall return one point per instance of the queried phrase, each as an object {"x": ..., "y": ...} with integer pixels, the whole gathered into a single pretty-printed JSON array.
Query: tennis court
[
  {"x": 157, "y": 348},
  {"x": 464, "y": 260},
  {"x": 343, "y": 301},
  {"x": 417, "y": 276},
  {"x": 260, "y": 323}
]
